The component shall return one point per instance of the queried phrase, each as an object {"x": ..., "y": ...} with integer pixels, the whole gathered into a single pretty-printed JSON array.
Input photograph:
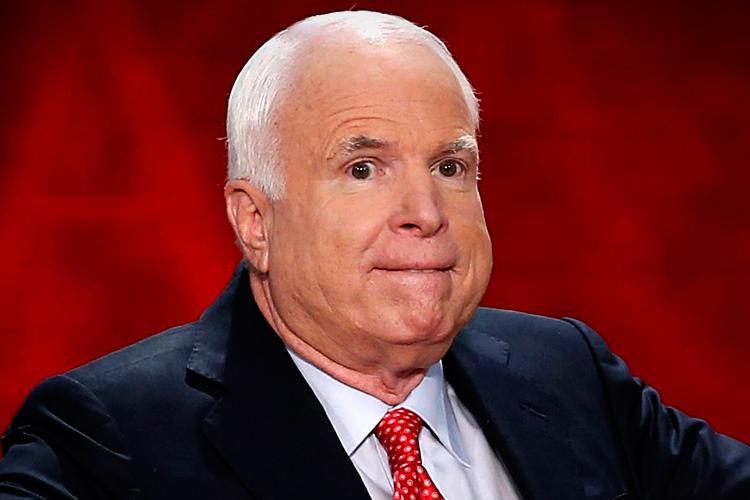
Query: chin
[{"x": 429, "y": 327}]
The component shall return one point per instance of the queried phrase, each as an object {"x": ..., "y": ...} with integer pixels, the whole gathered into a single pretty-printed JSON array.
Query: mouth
[
  {"x": 415, "y": 269},
  {"x": 421, "y": 283}
]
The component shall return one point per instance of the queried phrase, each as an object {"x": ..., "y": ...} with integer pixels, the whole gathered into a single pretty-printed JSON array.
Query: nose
[{"x": 418, "y": 206}]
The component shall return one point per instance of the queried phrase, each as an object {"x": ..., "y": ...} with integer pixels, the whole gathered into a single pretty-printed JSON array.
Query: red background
[{"x": 615, "y": 148}]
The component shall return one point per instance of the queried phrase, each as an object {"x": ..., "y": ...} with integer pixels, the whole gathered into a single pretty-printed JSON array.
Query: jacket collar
[
  {"x": 522, "y": 422},
  {"x": 209, "y": 355},
  {"x": 271, "y": 429},
  {"x": 267, "y": 423}
]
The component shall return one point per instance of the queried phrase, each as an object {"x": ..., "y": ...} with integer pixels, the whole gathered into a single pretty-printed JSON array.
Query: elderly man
[{"x": 346, "y": 358}]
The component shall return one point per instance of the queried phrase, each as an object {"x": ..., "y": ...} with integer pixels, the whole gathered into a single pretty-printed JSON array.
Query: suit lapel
[
  {"x": 521, "y": 421},
  {"x": 268, "y": 424}
]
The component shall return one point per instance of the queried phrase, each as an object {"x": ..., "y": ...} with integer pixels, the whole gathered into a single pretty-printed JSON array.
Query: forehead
[{"x": 350, "y": 87}]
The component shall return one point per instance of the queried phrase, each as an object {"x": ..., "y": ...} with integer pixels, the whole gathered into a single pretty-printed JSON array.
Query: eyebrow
[
  {"x": 464, "y": 143},
  {"x": 357, "y": 143}
]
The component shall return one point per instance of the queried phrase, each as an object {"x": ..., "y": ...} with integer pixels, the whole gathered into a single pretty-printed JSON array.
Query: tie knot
[{"x": 398, "y": 432}]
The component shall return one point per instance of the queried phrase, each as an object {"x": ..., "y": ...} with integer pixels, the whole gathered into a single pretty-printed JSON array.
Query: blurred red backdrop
[{"x": 615, "y": 148}]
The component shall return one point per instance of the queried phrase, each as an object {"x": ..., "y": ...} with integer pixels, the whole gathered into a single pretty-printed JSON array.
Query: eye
[
  {"x": 449, "y": 168},
  {"x": 362, "y": 170}
]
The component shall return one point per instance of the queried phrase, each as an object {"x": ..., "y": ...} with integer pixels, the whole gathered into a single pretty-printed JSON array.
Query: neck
[{"x": 391, "y": 386}]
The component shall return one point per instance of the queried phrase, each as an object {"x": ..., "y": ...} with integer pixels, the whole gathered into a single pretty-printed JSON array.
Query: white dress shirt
[{"x": 454, "y": 450}]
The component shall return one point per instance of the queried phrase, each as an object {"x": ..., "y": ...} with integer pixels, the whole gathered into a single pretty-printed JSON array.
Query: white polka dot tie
[{"x": 398, "y": 432}]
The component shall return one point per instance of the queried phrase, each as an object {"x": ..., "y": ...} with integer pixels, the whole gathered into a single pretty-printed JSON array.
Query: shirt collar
[{"x": 354, "y": 414}]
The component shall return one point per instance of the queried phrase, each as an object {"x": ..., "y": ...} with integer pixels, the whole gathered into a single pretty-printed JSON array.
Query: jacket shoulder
[
  {"x": 144, "y": 385},
  {"x": 527, "y": 333},
  {"x": 503, "y": 321},
  {"x": 152, "y": 357},
  {"x": 551, "y": 353}
]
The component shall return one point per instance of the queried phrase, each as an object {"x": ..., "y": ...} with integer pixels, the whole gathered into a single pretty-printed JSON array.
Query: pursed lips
[
  {"x": 427, "y": 279},
  {"x": 416, "y": 267},
  {"x": 414, "y": 270}
]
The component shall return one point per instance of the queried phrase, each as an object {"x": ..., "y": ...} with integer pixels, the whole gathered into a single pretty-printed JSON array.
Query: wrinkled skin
[{"x": 378, "y": 253}]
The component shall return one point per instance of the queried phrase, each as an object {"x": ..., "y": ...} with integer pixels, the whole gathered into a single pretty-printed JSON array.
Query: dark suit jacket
[{"x": 216, "y": 409}]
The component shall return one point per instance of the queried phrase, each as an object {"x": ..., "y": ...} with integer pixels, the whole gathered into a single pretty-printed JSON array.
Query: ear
[{"x": 249, "y": 212}]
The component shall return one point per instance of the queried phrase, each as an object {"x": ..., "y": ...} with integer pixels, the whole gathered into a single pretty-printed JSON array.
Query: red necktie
[{"x": 398, "y": 432}]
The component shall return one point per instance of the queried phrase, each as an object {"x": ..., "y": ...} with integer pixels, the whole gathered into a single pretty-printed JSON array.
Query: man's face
[{"x": 379, "y": 251}]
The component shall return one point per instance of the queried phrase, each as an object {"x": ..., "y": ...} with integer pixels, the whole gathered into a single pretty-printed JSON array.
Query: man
[{"x": 347, "y": 358}]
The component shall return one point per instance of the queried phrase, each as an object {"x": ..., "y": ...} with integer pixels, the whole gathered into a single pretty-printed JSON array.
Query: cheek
[
  {"x": 481, "y": 247},
  {"x": 345, "y": 232},
  {"x": 483, "y": 261},
  {"x": 291, "y": 246},
  {"x": 477, "y": 252},
  {"x": 470, "y": 228}
]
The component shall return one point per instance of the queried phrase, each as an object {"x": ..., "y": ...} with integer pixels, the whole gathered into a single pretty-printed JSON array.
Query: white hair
[{"x": 253, "y": 149}]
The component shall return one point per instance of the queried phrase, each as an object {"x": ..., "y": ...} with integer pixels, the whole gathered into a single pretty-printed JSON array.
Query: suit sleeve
[
  {"x": 63, "y": 444},
  {"x": 670, "y": 455}
]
